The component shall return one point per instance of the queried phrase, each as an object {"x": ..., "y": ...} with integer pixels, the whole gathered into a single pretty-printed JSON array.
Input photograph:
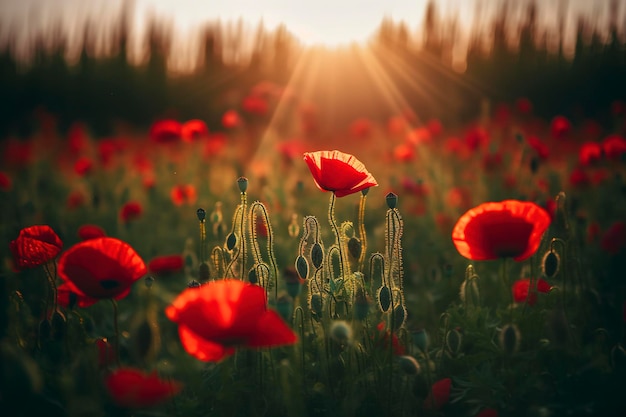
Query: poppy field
[{"x": 258, "y": 239}]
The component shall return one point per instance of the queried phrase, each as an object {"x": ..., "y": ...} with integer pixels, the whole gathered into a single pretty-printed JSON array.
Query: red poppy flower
[
  {"x": 255, "y": 105},
  {"x": 579, "y": 178},
  {"x": 166, "y": 264},
  {"x": 106, "y": 353},
  {"x": 614, "y": 239},
  {"x": 404, "y": 152},
  {"x": 5, "y": 182},
  {"x": 104, "y": 267},
  {"x": 90, "y": 231},
  {"x": 214, "y": 145},
  {"x": 231, "y": 119},
  {"x": 439, "y": 394},
  {"x": 106, "y": 150},
  {"x": 435, "y": 127},
  {"x": 218, "y": 316},
  {"x": 498, "y": 230},
  {"x": 589, "y": 153},
  {"x": 361, "y": 128},
  {"x": 339, "y": 172},
  {"x": 130, "y": 211},
  {"x": 77, "y": 138},
  {"x": 132, "y": 388},
  {"x": 540, "y": 148},
  {"x": 488, "y": 412},
  {"x": 614, "y": 146},
  {"x": 183, "y": 194},
  {"x": 76, "y": 199},
  {"x": 165, "y": 131},
  {"x": 521, "y": 290},
  {"x": 419, "y": 136},
  {"x": 35, "y": 246},
  {"x": 194, "y": 129},
  {"x": 383, "y": 340},
  {"x": 560, "y": 127},
  {"x": 83, "y": 166}
]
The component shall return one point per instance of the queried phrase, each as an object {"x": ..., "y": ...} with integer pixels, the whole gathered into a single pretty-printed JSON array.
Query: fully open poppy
[
  {"x": 495, "y": 230},
  {"x": 99, "y": 268},
  {"x": 35, "y": 246},
  {"x": 216, "y": 317},
  {"x": 339, "y": 172},
  {"x": 521, "y": 289},
  {"x": 165, "y": 264},
  {"x": 132, "y": 388}
]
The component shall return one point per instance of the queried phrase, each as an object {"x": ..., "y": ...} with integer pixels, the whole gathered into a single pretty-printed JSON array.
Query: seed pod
[
  {"x": 392, "y": 200},
  {"x": 231, "y": 241},
  {"x": 454, "y": 340},
  {"x": 354, "y": 247},
  {"x": 550, "y": 264},
  {"x": 242, "y": 183},
  {"x": 252, "y": 276},
  {"x": 510, "y": 339},
  {"x": 384, "y": 298},
  {"x": 317, "y": 255},
  {"x": 148, "y": 281},
  {"x": 302, "y": 267},
  {"x": 201, "y": 213}
]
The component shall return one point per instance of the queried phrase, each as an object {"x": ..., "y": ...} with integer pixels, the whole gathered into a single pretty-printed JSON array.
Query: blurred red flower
[
  {"x": 165, "y": 131},
  {"x": 487, "y": 412},
  {"x": 589, "y": 153},
  {"x": 382, "y": 340},
  {"x": 614, "y": 238},
  {"x": 103, "y": 267},
  {"x": 106, "y": 353},
  {"x": 76, "y": 199},
  {"x": 495, "y": 230},
  {"x": 130, "y": 211},
  {"x": 5, "y": 182},
  {"x": 404, "y": 152},
  {"x": 476, "y": 138},
  {"x": 183, "y": 194},
  {"x": 90, "y": 231},
  {"x": 521, "y": 290},
  {"x": 524, "y": 105},
  {"x": 361, "y": 128},
  {"x": 560, "y": 127},
  {"x": 231, "y": 119},
  {"x": 219, "y": 316},
  {"x": 492, "y": 161},
  {"x": 165, "y": 264},
  {"x": 214, "y": 145},
  {"x": 83, "y": 166},
  {"x": 435, "y": 127},
  {"x": 254, "y": 104},
  {"x": 132, "y": 388},
  {"x": 418, "y": 136},
  {"x": 338, "y": 172},
  {"x": 540, "y": 148},
  {"x": 439, "y": 394},
  {"x": 614, "y": 147},
  {"x": 17, "y": 153},
  {"x": 77, "y": 138},
  {"x": 579, "y": 178},
  {"x": 459, "y": 197},
  {"x": 35, "y": 245},
  {"x": 194, "y": 129},
  {"x": 593, "y": 232}
]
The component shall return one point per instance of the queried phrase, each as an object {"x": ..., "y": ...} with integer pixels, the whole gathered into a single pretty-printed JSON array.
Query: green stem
[
  {"x": 333, "y": 223},
  {"x": 116, "y": 332},
  {"x": 362, "y": 234}
]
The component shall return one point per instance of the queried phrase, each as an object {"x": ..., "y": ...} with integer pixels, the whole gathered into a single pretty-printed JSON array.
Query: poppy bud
[
  {"x": 354, "y": 247},
  {"x": 201, "y": 213},
  {"x": 420, "y": 339},
  {"x": 302, "y": 267},
  {"x": 454, "y": 340},
  {"x": 399, "y": 317},
  {"x": 384, "y": 298},
  {"x": 361, "y": 304},
  {"x": 148, "y": 281},
  {"x": 242, "y": 183},
  {"x": 409, "y": 365},
  {"x": 341, "y": 332},
  {"x": 510, "y": 339},
  {"x": 392, "y": 200},
  {"x": 550, "y": 264},
  {"x": 231, "y": 241},
  {"x": 193, "y": 284},
  {"x": 252, "y": 276},
  {"x": 315, "y": 304},
  {"x": 204, "y": 273},
  {"x": 317, "y": 255}
]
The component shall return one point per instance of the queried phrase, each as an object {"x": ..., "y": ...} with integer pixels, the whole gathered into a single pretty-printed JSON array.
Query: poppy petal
[
  {"x": 202, "y": 349},
  {"x": 271, "y": 330}
]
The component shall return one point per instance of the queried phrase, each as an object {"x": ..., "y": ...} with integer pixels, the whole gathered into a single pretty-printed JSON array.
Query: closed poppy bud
[
  {"x": 302, "y": 267},
  {"x": 148, "y": 281},
  {"x": 204, "y": 273},
  {"x": 231, "y": 241},
  {"x": 354, "y": 247},
  {"x": 317, "y": 255},
  {"x": 510, "y": 339},
  {"x": 384, "y": 298},
  {"x": 550, "y": 264},
  {"x": 392, "y": 200},
  {"x": 409, "y": 365},
  {"x": 399, "y": 317},
  {"x": 201, "y": 213},
  {"x": 454, "y": 340},
  {"x": 58, "y": 324},
  {"x": 242, "y": 183}
]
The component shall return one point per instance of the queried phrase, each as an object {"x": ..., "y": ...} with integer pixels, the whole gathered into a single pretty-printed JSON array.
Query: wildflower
[
  {"x": 35, "y": 245},
  {"x": 77, "y": 138},
  {"x": 590, "y": 153},
  {"x": 99, "y": 268},
  {"x": 231, "y": 119},
  {"x": 165, "y": 131},
  {"x": 132, "y": 388},
  {"x": 339, "y": 172},
  {"x": 166, "y": 264},
  {"x": 439, "y": 394},
  {"x": 361, "y": 128},
  {"x": 130, "y": 211},
  {"x": 214, "y": 144},
  {"x": 614, "y": 239},
  {"x": 221, "y": 315},
  {"x": 83, "y": 166},
  {"x": 76, "y": 199},
  {"x": 254, "y": 104},
  {"x": 194, "y": 129},
  {"x": 579, "y": 178},
  {"x": 500, "y": 229},
  {"x": 541, "y": 149},
  {"x": 5, "y": 182},
  {"x": 521, "y": 290},
  {"x": 524, "y": 105},
  {"x": 90, "y": 231},
  {"x": 183, "y": 194},
  {"x": 106, "y": 353},
  {"x": 614, "y": 147},
  {"x": 560, "y": 127},
  {"x": 383, "y": 340}
]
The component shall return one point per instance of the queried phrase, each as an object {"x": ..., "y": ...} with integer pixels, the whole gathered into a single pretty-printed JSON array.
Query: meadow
[{"x": 240, "y": 252}]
